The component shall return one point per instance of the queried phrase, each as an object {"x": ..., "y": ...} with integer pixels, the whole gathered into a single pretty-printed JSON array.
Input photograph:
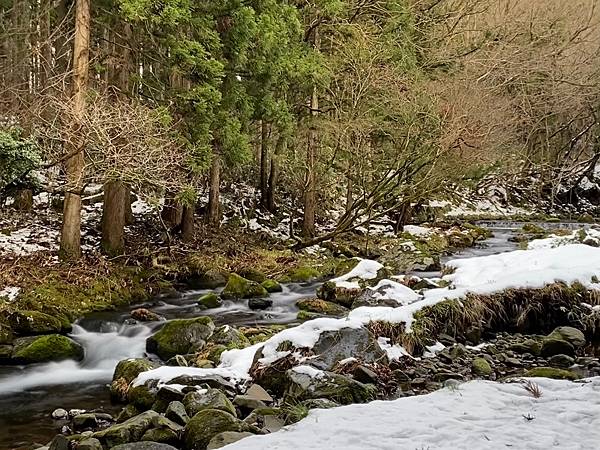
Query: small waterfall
[{"x": 103, "y": 350}]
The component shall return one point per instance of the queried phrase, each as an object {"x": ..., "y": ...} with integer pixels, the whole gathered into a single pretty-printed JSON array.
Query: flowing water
[{"x": 29, "y": 394}]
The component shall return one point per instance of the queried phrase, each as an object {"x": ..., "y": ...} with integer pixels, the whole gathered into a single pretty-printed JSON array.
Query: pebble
[{"x": 60, "y": 414}]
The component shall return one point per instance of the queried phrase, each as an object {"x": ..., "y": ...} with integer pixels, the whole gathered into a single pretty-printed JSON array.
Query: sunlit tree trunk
[{"x": 70, "y": 238}]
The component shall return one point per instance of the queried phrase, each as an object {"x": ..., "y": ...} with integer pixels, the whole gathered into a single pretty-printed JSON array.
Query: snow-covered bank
[
  {"x": 476, "y": 415},
  {"x": 480, "y": 275}
]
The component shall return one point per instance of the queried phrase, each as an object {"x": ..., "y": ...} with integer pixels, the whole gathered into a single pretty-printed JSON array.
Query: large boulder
[
  {"x": 129, "y": 431},
  {"x": 572, "y": 335},
  {"x": 305, "y": 382},
  {"x": 238, "y": 287},
  {"x": 335, "y": 346},
  {"x": 206, "y": 425},
  {"x": 556, "y": 346},
  {"x": 34, "y": 322},
  {"x": 180, "y": 336},
  {"x": 226, "y": 438},
  {"x": 50, "y": 347},
  {"x": 194, "y": 402},
  {"x": 551, "y": 372}
]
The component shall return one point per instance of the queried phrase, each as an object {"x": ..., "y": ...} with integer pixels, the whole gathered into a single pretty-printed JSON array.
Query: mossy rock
[
  {"x": 209, "y": 301},
  {"x": 207, "y": 424},
  {"x": 180, "y": 337},
  {"x": 238, "y": 287},
  {"x": 303, "y": 274},
  {"x": 272, "y": 286},
  {"x": 125, "y": 372},
  {"x": 51, "y": 347},
  {"x": 213, "y": 399},
  {"x": 34, "y": 322},
  {"x": 161, "y": 435},
  {"x": 261, "y": 333},
  {"x": 142, "y": 397},
  {"x": 321, "y": 307},
  {"x": 303, "y": 316},
  {"x": 572, "y": 335},
  {"x": 131, "y": 430},
  {"x": 230, "y": 337},
  {"x": 481, "y": 367},
  {"x": 556, "y": 346},
  {"x": 339, "y": 388},
  {"x": 551, "y": 372},
  {"x": 253, "y": 275}
]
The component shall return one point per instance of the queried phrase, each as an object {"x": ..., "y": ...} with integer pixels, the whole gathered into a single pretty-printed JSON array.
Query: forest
[{"x": 237, "y": 214}]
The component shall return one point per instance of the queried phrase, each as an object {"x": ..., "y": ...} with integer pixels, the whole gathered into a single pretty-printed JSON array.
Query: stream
[{"x": 29, "y": 394}]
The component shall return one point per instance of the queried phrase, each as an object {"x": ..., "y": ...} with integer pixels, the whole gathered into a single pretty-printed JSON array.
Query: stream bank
[{"x": 115, "y": 338}]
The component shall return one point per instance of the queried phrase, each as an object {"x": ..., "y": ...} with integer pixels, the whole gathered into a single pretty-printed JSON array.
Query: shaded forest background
[{"x": 369, "y": 107}]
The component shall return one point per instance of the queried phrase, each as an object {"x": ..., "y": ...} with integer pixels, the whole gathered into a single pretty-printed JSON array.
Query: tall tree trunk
[
  {"x": 70, "y": 238},
  {"x": 310, "y": 191},
  {"x": 349, "y": 191},
  {"x": 46, "y": 44},
  {"x": 264, "y": 162},
  {"x": 187, "y": 223},
  {"x": 113, "y": 218},
  {"x": 19, "y": 56},
  {"x": 171, "y": 213},
  {"x": 117, "y": 202},
  {"x": 61, "y": 43},
  {"x": 214, "y": 210},
  {"x": 274, "y": 174}
]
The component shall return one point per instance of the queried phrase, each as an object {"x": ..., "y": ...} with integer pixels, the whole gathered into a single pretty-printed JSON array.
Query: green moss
[
  {"x": 481, "y": 367},
  {"x": 303, "y": 274},
  {"x": 271, "y": 286},
  {"x": 180, "y": 336},
  {"x": 551, "y": 372},
  {"x": 322, "y": 307},
  {"x": 209, "y": 301},
  {"x": 239, "y": 287},
  {"x": 51, "y": 347}
]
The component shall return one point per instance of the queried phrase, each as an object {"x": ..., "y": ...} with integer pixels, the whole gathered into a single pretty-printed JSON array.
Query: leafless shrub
[{"x": 533, "y": 388}]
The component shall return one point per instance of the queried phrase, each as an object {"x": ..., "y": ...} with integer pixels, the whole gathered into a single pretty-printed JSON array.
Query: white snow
[
  {"x": 433, "y": 349},
  {"x": 26, "y": 241},
  {"x": 590, "y": 236},
  {"x": 366, "y": 269},
  {"x": 395, "y": 351},
  {"x": 309, "y": 371},
  {"x": 476, "y": 415},
  {"x": 10, "y": 293},
  {"x": 392, "y": 290},
  {"x": 417, "y": 230}
]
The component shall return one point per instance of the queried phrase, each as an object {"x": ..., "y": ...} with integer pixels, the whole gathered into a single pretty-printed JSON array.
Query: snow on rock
[
  {"x": 486, "y": 207},
  {"x": 309, "y": 371},
  {"x": 392, "y": 290},
  {"x": 366, "y": 269},
  {"x": 476, "y": 415},
  {"x": 394, "y": 352},
  {"x": 590, "y": 236},
  {"x": 419, "y": 231}
]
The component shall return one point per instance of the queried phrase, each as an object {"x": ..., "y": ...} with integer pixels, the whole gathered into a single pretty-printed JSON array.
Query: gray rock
[
  {"x": 59, "y": 442},
  {"x": 226, "y": 438},
  {"x": 556, "y": 346},
  {"x": 207, "y": 424},
  {"x": 335, "y": 346},
  {"x": 562, "y": 361},
  {"x": 60, "y": 414},
  {"x": 245, "y": 402},
  {"x": 257, "y": 392},
  {"x": 129, "y": 431},
  {"x": 342, "y": 389},
  {"x": 177, "y": 413},
  {"x": 260, "y": 303},
  {"x": 180, "y": 337}
]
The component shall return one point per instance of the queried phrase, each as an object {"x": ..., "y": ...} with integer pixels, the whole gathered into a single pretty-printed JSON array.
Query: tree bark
[
  {"x": 187, "y": 224},
  {"x": 171, "y": 213},
  {"x": 310, "y": 192},
  {"x": 113, "y": 218},
  {"x": 46, "y": 44},
  {"x": 274, "y": 174},
  {"x": 70, "y": 238},
  {"x": 264, "y": 162},
  {"x": 214, "y": 210}
]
